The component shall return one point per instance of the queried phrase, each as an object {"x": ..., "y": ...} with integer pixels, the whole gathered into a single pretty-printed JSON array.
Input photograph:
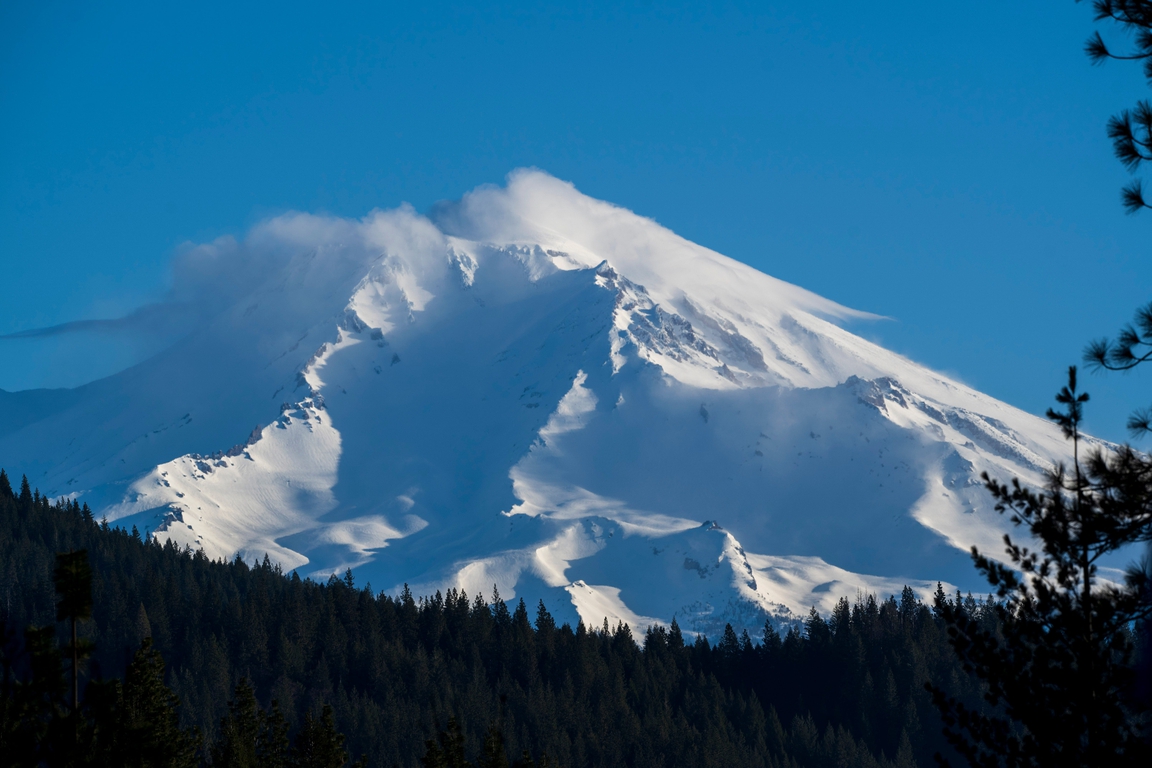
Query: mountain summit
[{"x": 540, "y": 391}]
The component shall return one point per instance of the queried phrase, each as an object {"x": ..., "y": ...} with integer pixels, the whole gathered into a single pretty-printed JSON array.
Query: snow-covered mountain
[{"x": 544, "y": 392}]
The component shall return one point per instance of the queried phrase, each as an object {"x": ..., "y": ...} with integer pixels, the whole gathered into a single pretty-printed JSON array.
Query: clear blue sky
[{"x": 942, "y": 164}]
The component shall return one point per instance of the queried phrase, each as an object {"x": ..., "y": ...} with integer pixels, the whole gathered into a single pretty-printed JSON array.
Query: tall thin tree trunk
[{"x": 75, "y": 671}]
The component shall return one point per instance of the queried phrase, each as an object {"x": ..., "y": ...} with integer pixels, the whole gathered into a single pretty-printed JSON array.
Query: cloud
[
  {"x": 296, "y": 265},
  {"x": 535, "y": 207},
  {"x": 156, "y": 318}
]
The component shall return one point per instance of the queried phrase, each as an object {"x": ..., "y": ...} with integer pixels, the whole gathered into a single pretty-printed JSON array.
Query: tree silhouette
[
  {"x": 150, "y": 734},
  {"x": 319, "y": 744},
  {"x": 1059, "y": 667},
  {"x": 73, "y": 579},
  {"x": 1130, "y": 129},
  {"x": 447, "y": 749},
  {"x": 250, "y": 737}
]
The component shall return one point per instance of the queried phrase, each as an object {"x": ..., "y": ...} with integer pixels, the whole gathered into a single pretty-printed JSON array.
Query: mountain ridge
[{"x": 540, "y": 391}]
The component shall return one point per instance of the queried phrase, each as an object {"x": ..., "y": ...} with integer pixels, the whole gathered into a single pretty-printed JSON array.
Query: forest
[{"x": 398, "y": 672}]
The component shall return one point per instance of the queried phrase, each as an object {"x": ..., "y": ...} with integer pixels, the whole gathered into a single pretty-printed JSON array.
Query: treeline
[{"x": 846, "y": 691}]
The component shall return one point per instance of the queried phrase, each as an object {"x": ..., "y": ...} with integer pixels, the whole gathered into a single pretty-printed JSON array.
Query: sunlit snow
[{"x": 542, "y": 392}]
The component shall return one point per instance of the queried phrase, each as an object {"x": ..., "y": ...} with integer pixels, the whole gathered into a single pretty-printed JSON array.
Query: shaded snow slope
[{"x": 544, "y": 392}]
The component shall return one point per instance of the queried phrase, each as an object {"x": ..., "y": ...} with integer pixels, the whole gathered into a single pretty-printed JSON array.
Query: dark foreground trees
[
  {"x": 45, "y": 720},
  {"x": 134, "y": 722},
  {"x": 847, "y": 689},
  {"x": 1060, "y": 669},
  {"x": 1059, "y": 665}
]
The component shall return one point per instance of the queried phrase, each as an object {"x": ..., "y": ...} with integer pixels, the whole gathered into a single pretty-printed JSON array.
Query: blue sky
[{"x": 945, "y": 165}]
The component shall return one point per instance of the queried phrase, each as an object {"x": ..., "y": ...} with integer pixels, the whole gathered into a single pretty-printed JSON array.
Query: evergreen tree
[
  {"x": 1131, "y": 129},
  {"x": 149, "y": 731},
  {"x": 1059, "y": 665},
  {"x": 319, "y": 744},
  {"x": 250, "y": 737},
  {"x": 493, "y": 755},
  {"x": 526, "y": 761},
  {"x": 73, "y": 579},
  {"x": 239, "y": 732},
  {"x": 25, "y": 492},
  {"x": 1131, "y": 347},
  {"x": 447, "y": 749},
  {"x": 29, "y": 708},
  {"x": 272, "y": 746}
]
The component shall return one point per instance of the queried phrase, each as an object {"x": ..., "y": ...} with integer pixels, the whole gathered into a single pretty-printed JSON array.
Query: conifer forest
[{"x": 391, "y": 674}]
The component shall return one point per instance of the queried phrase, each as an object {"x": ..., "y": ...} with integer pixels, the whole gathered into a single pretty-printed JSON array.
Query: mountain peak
[{"x": 541, "y": 391}]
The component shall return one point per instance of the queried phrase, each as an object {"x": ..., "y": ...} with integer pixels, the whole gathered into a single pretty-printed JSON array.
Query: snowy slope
[{"x": 544, "y": 392}]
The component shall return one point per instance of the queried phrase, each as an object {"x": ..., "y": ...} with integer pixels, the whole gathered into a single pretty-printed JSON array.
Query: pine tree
[
  {"x": 1132, "y": 347},
  {"x": 319, "y": 744},
  {"x": 29, "y": 711},
  {"x": 447, "y": 749},
  {"x": 250, "y": 737},
  {"x": 904, "y": 756},
  {"x": 675, "y": 636},
  {"x": 25, "y": 493},
  {"x": 526, "y": 761},
  {"x": 143, "y": 626},
  {"x": 149, "y": 732},
  {"x": 545, "y": 624},
  {"x": 73, "y": 579},
  {"x": 1131, "y": 129},
  {"x": 239, "y": 732},
  {"x": 1060, "y": 666},
  {"x": 771, "y": 638},
  {"x": 272, "y": 748},
  {"x": 493, "y": 754}
]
